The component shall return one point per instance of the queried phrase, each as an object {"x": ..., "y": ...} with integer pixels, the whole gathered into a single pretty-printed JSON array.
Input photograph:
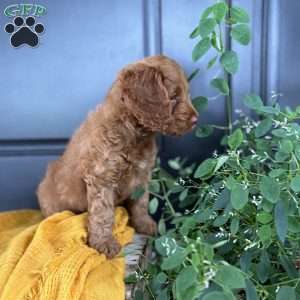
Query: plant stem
[
  {"x": 283, "y": 282},
  {"x": 229, "y": 108},
  {"x": 173, "y": 212},
  {"x": 220, "y": 127},
  {"x": 146, "y": 283},
  {"x": 228, "y": 79}
]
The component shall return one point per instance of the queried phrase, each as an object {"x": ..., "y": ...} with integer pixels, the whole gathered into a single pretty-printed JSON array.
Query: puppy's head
[{"x": 155, "y": 91}]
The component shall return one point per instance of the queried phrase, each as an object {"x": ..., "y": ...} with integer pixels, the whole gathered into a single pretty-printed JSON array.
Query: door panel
[
  {"x": 19, "y": 176},
  {"x": 46, "y": 92}
]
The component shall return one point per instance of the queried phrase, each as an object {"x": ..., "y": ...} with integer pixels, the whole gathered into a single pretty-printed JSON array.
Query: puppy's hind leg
[{"x": 139, "y": 216}]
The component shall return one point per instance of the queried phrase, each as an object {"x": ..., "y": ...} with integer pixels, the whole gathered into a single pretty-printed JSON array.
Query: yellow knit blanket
[{"x": 49, "y": 259}]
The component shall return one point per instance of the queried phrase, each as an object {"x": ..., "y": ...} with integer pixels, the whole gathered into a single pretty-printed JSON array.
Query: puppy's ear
[{"x": 145, "y": 95}]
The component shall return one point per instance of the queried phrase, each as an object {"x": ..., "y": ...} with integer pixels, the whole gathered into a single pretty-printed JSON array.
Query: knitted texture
[{"x": 49, "y": 259}]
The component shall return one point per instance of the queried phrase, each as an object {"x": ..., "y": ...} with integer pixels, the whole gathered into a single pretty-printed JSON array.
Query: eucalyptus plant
[
  {"x": 214, "y": 21},
  {"x": 230, "y": 227}
]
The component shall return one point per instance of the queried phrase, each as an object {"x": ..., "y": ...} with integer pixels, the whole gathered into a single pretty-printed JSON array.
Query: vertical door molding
[
  {"x": 270, "y": 52},
  {"x": 153, "y": 38},
  {"x": 152, "y": 27}
]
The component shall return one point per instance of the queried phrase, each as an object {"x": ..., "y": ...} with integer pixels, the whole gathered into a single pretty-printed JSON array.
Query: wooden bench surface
[{"x": 135, "y": 254}]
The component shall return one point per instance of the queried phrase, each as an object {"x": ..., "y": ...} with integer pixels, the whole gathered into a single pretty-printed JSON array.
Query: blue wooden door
[{"x": 46, "y": 91}]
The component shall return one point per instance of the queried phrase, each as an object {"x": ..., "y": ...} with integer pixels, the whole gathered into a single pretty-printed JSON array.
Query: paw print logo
[{"x": 24, "y": 31}]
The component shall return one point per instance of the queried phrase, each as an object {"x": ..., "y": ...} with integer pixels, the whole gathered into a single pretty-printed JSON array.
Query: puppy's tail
[{"x": 46, "y": 191}]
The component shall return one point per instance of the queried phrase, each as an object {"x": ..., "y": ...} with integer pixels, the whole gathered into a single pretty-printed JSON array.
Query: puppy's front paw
[
  {"x": 145, "y": 225},
  {"x": 110, "y": 247}
]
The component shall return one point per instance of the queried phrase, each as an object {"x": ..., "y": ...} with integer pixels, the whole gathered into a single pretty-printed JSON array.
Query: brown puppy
[{"x": 113, "y": 151}]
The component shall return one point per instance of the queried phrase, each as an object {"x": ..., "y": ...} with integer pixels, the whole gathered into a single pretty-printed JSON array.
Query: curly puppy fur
[{"x": 114, "y": 150}]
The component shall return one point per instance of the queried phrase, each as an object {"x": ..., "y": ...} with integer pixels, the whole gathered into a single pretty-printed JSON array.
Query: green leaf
[
  {"x": 293, "y": 165},
  {"x": 230, "y": 61},
  {"x": 281, "y": 221},
  {"x": 190, "y": 293},
  {"x": 207, "y": 26},
  {"x": 193, "y": 74},
  {"x": 154, "y": 186},
  {"x": 253, "y": 101},
  {"x": 286, "y": 146},
  {"x": 204, "y": 131},
  {"x": 221, "y": 220},
  {"x": 264, "y": 217},
  {"x": 234, "y": 226},
  {"x": 176, "y": 188},
  {"x": 222, "y": 200},
  {"x": 163, "y": 294},
  {"x": 165, "y": 245},
  {"x": 131, "y": 279},
  {"x": 297, "y": 152},
  {"x": 208, "y": 252},
  {"x": 251, "y": 293},
  {"x": 267, "y": 206},
  {"x": 294, "y": 224},
  {"x": 220, "y": 244},
  {"x": 289, "y": 266},
  {"x": 215, "y": 41},
  {"x": 183, "y": 194},
  {"x": 161, "y": 226},
  {"x": 188, "y": 224},
  {"x": 174, "y": 164},
  {"x": 263, "y": 127},
  {"x": 203, "y": 216},
  {"x": 201, "y": 48},
  {"x": 235, "y": 139},
  {"x": 231, "y": 277},
  {"x": 221, "y": 85},
  {"x": 281, "y": 156},
  {"x": 295, "y": 184},
  {"x": 206, "y": 168},
  {"x": 185, "y": 279},
  {"x": 269, "y": 110},
  {"x": 153, "y": 205},
  {"x": 231, "y": 182},
  {"x": 239, "y": 15},
  {"x": 161, "y": 277},
  {"x": 138, "y": 193},
  {"x": 174, "y": 260},
  {"x": 207, "y": 12},
  {"x": 200, "y": 103},
  {"x": 195, "y": 33},
  {"x": 263, "y": 267},
  {"x": 265, "y": 233},
  {"x": 215, "y": 296},
  {"x": 279, "y": 133},
  {"x": 138, "y": 295},
  {"x": 239, "y": 197},
  {"x": 221, "y": 160},
  {"x": 286, "y": 292},
  {"x": 241, "y": 33},
  {"x": 219, "y": 10},
  {"x": 212, "y": 62},
  {"x": 276, "y": 172},
  {"x": 270, "y": 189},
  {"x": 246, "y": 260}
]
